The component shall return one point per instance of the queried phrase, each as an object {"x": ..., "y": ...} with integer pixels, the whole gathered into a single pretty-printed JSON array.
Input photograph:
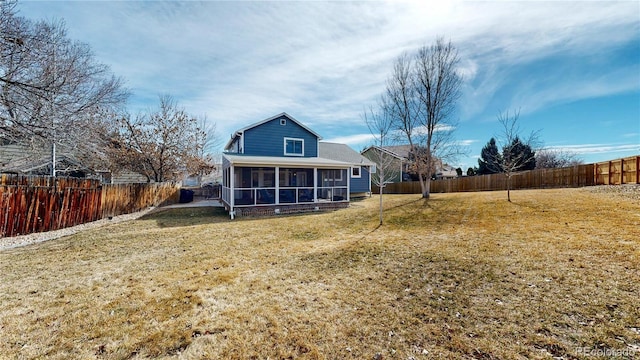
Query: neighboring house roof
[
  {"x": 401, "y": 151},
  {"x": 238, "y": 133},
  {"x": 11, "y": 151},
  {"x": 342, "y": 152},
  {"x": 235, "y": 159},
  {"x": 447, "y": 171},
  {"x": 27, "y": 164},
  {"x": 391, "y": 153}
]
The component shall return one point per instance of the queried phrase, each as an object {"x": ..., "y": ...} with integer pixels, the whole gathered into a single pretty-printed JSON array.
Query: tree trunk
[
  {"x": 380, "y": 186},
  {"x": 423, "y": 186},
  {"x": 426, "y": 190}
]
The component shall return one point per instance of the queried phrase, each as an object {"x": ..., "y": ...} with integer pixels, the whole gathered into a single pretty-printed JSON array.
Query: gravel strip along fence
[
  {"x": 628, "y": 191},
  {"x": 24, "y": 240}
]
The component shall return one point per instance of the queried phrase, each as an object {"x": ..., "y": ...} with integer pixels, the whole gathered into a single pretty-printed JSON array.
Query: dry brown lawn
[{"x": 555, "y": 274}]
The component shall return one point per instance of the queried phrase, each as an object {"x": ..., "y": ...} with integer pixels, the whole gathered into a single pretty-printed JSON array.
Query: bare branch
[
  {"x": 163, "y": 144},
  {"x": 517, "y": 153},
  {"x": 52, "y": 89}
]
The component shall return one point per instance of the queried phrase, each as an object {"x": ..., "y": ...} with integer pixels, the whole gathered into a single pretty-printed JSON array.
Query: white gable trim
[{"x": 241, "y": 131}]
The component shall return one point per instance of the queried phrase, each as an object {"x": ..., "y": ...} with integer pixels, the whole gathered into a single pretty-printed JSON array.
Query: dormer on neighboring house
[{"x": 279, "y": 165}]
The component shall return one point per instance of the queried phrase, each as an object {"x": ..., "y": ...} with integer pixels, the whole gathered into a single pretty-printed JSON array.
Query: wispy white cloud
[
  {"x": 324, "y": 62},
  {"x": 356, "y": 139},
  {"x": 467, "y": 142},
  {"x": 586, "y": 149}
]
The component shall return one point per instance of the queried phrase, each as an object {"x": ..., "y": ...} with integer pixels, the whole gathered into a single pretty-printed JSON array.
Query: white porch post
[
  {"x": 277, "y": 180},
  {"x": 315, "y": 185},
  {"x": 348, "y": 177},
  {"x": 232, "y": 195}
]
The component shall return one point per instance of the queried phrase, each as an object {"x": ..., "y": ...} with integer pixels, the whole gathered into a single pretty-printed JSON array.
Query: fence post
[
  {"x": 637, "y": 169},
  {"x": 621, "y": 171}
]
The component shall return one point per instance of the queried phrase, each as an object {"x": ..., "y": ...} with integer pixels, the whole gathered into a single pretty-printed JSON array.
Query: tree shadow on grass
[{"x": 189, "y": 216}]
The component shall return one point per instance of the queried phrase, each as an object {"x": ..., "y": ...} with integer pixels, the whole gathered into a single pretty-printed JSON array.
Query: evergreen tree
[
  {"x": 490, "y": 159},
  {"x": 520, "y": 152}
]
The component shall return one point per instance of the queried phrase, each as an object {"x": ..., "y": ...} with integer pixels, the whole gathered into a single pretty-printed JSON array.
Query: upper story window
[{"x": 294, "y": 147}]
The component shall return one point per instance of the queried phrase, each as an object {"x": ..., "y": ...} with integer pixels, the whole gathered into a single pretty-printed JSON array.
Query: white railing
[
  {"x": 333, "y": 193},
  {"x": 295, "y": 195},
  {"x": 286, "y": 195},
  {"x": 254, "y": 196},
  {"x": 226, "y": 194}
]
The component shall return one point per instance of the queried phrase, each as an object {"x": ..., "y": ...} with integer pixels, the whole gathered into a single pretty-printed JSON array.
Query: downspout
[{"x": 369, "y": 171}]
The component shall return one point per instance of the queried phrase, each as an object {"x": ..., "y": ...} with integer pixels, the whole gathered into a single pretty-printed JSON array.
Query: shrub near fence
[{"x": 36, "y": 204}]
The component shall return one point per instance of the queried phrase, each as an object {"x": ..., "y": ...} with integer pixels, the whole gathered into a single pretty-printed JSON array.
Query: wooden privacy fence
[
  {"x": 575, "y": 176},
  {"x": 36, "y": 204},
  {"x": 127, "y": 198},
  {"x": 621, "y": 171}
]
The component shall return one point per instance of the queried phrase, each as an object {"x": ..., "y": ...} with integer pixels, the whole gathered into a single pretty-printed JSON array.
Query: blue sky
[{"x": 572, "y": 69}]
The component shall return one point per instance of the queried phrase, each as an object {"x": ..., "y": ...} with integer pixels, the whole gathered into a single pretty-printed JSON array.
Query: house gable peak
[{"x": 240, "y": 132}]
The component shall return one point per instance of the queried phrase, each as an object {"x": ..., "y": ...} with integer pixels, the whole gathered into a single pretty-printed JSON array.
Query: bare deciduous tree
[
  {"x": 437, "y": 86},
  {"x": 420, "y": 97},
  {"x": 556, "y": 158},
  {"x": 399, "y": 102},
  {"x": 163, "y": 144},
  {"x": 51, "y": 88},
  {"x": 517, "y": 152},
  {"x": 380, "y": 126}
]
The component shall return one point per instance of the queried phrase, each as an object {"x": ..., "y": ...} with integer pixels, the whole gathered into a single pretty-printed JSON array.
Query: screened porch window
[
  {"x": 254, "y": 185},
  {"x": 296, "y": 185},
  {"x": 332, "y": 185}
]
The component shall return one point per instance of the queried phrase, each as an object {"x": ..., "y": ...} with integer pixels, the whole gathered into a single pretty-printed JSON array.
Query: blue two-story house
[{"x": 279, "y": 166}]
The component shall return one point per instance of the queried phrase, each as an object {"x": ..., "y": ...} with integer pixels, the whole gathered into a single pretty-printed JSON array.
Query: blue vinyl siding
[
  {"x": 268, "y": 139},
  {"x": 361, "y": 184}
]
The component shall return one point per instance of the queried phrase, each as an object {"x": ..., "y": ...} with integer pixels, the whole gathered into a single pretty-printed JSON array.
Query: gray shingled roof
[
  {"x": 342, "y": 152},
  {"x": 400, "y": 150}
]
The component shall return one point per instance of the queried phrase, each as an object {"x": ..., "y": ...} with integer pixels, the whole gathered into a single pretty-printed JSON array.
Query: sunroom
[{"x": 275, "y": 185}]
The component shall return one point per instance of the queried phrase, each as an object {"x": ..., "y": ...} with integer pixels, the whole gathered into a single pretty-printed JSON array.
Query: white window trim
[
  {"x": 359, "y": 171},
  {"x": 293, "y": 139}
]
